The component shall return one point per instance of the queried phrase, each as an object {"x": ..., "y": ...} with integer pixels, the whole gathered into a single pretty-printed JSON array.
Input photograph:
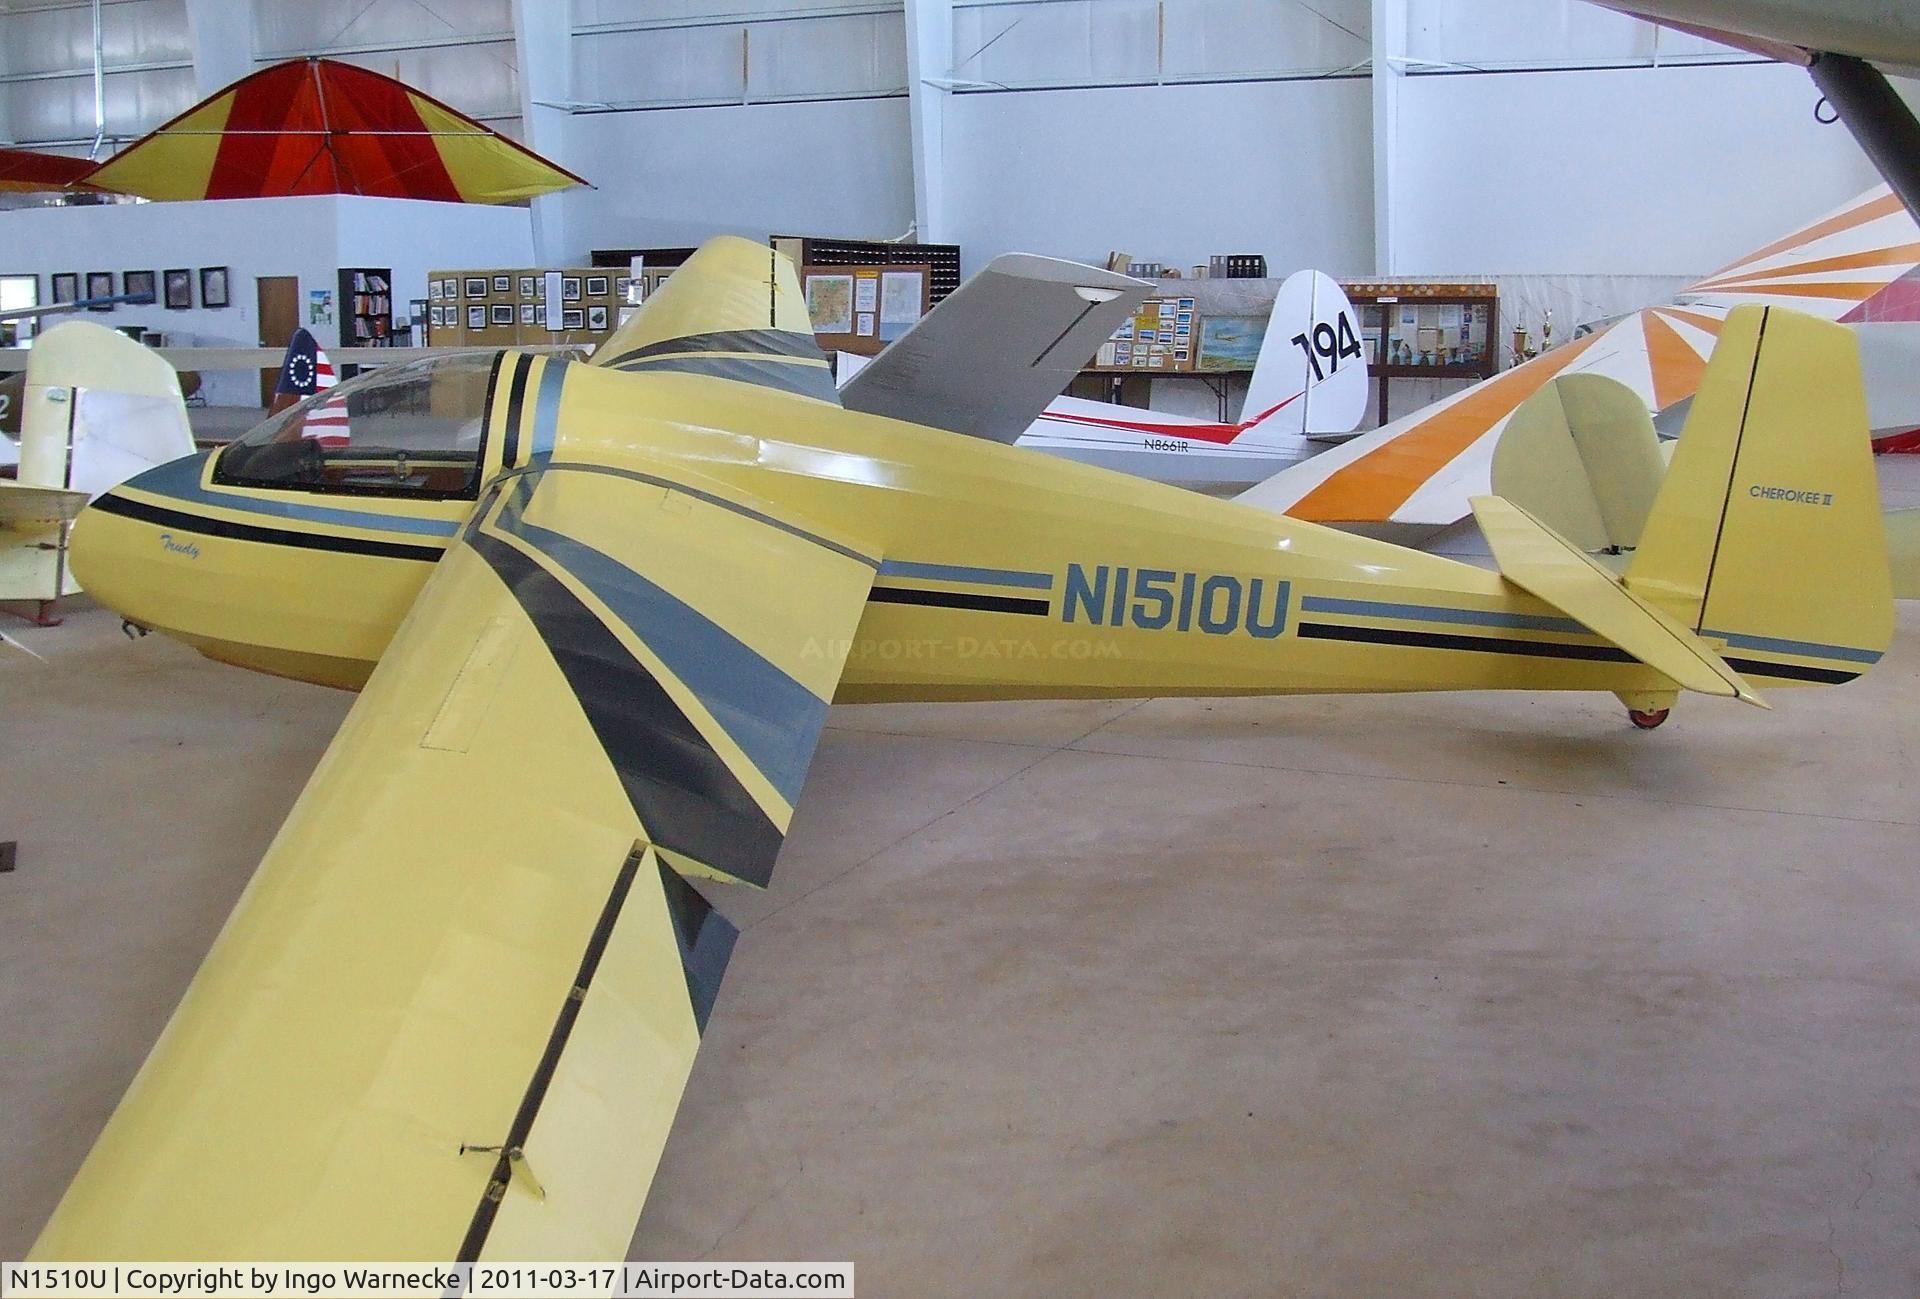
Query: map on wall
[{"x": 830, "y": 303}]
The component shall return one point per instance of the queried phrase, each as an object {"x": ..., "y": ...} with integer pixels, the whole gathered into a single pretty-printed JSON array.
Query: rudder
[{"x": 1767, "y": 533}]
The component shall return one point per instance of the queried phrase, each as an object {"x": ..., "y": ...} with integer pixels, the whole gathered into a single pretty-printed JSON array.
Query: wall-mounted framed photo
[
  {"x": 503, "y": 284},
  {"x": 476, "y": 317},
  {"x": 434, "y": 314},
  {"x": 596, "y": 317},
  {"x": 178, "y": 284},
  {"x": 526, "y": 287},
  {"x": 570, "y": 289},
  {"x": 503, "y": 313},
  {"x": 433, "y": 290},
  {"x": 65, "y": 286},
  {"x": 449, "y": 288},
  {"x": 213, "y": 286},
  {"x": 476, "y": 286},
  {"x": 596, "y": 286},
  {"x": 573, "y": 318},
  {"x": 529, "y": 314},
  {"x": 100, "y": 285},
  {"x": 138, "y": 283},
  {"x": 623, "y": 287}
]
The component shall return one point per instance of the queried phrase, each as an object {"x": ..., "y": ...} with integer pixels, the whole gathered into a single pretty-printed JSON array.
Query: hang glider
[
  {"x": 23, "y": 171},
  {"x": 599, "y": 611},
  {"x": 317, "y": 126},
  {"x": 1422, "y": 471}
]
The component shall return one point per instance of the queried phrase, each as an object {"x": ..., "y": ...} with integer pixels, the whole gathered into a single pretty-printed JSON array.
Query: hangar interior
[{"x": 1432, "y": 988}]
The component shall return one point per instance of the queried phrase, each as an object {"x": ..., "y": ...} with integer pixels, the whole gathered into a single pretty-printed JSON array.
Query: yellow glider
[{"x": 599, "y": 612}]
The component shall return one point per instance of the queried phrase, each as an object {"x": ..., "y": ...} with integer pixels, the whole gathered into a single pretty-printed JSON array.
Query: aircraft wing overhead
[
  {"x": 988, "y": 359},
  {"x": 454, "y": 1011},
  {"x": 733, "y": 310}
]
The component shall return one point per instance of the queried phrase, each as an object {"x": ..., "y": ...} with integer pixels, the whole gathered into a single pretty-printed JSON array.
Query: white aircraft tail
[
  {"x": 1311, "y": 376},
  {"x": 97, "y": 409}
]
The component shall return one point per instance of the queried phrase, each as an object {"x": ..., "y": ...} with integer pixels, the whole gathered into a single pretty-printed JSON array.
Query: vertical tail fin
[
  {"x": 1767, "y": 532},
  {"x": 98, "y": 409},
  {"x": 1311, "y": 375}
]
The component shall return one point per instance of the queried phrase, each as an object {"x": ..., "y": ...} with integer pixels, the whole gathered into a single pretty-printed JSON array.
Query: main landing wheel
[{"x": 1646, "y": 721}]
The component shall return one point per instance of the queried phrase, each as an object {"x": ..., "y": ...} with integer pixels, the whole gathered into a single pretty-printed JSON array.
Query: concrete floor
[{"x": 1484, "y": 995}]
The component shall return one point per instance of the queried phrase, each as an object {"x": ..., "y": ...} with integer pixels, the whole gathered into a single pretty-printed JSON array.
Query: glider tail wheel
[{"x": 1647, "y": 719}]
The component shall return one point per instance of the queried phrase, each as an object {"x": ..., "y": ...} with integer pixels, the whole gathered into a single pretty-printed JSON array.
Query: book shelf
[{"x": 366, "y": 306}]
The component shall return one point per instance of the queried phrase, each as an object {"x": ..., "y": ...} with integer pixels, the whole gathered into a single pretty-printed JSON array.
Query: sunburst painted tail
[{"x": 1767, "y": 534}]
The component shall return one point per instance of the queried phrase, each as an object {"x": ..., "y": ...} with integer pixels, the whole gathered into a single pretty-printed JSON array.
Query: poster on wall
[
  {"x": 178, "y": 285},
  {"x": 319, "y": 306},
  {"x": 901, "y": 293},
  {"x": 213, "y": 286}
]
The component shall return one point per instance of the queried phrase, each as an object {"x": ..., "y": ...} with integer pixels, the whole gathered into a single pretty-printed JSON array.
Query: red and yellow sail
[
  {"x": 317, "y": 126},
  {"x": 24, "y": 172}
]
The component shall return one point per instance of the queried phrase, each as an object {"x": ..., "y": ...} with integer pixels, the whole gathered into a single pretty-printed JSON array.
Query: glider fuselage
[{"x": 1000, "y": 573}]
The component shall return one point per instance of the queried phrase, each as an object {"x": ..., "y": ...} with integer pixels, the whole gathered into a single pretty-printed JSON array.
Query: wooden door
[{"x": 279, "y": 303}]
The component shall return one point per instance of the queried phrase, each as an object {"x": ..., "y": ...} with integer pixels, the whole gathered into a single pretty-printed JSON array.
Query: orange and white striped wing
[{"x": 1423, "y": 469}]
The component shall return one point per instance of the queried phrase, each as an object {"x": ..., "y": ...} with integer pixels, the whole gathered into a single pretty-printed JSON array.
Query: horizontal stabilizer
[
  {"x": 989, "y": 358},
  {"x": 1546, "y": 565},
  {"x": 1582, "y": 455},
  {"x": 23, "y": 507}
]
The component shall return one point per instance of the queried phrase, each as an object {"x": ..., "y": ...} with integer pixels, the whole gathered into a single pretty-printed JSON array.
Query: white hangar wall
[
  {"x": 671, "y": 177},
  {"x": 1170, "y": 173},
  {"x": 1617, "y": 171}
]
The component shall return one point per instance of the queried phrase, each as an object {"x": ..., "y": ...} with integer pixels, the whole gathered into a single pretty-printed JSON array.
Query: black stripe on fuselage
[
  {"x": 959, "y": 600},
  {"x": 489, "y": 1207},
  {"x": 516, "y": 401},
  {"x": 686, "y": 796},
  {"x": 209, "y": 527},
  {"x": 1545, "y": 649},
  {"x": 1791, "y": 671}
]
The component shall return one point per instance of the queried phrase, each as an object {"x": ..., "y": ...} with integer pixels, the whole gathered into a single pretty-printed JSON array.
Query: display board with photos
[
  {"x": 1163, "y": 335},
  {"x": 1427, "y": 329},
  {"x": 860, "y": 309},
  {"x": 508, "y": 307}
]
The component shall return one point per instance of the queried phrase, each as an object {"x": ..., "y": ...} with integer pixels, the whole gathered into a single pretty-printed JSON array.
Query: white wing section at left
[{"x": 988, "y": 359}]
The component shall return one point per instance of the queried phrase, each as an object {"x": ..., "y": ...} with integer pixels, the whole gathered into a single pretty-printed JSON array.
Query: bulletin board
[
  {"x": 1163, "y": 336},
  {"x": 861, "y": 309},
  {"x": 507, "y": 306}
]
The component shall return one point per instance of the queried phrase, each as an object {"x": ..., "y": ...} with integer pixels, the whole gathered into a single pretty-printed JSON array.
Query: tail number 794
[{"x": 1330, "y": 344}]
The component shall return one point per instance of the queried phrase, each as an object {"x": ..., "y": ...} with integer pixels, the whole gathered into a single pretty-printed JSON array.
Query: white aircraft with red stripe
[{"x": 1308, "y": 390}]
